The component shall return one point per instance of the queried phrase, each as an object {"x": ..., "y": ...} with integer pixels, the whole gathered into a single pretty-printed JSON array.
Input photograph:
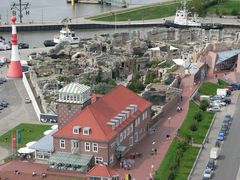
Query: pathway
[{"x": 173, "y": 120}]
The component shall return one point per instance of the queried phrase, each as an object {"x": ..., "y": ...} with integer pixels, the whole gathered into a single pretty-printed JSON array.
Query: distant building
[{"x": 102, "y": 132}]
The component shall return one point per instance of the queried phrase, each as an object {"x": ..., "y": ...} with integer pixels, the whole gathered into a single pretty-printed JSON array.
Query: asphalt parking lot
[{"x": 17, "y": 111}]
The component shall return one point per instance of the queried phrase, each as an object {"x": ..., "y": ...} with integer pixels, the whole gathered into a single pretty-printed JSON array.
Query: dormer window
[
  {"x": 86, "y": 130},
  {"x": 76, "y": 129}
]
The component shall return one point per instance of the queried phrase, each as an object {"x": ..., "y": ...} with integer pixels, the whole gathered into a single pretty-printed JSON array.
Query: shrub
[
  {"x": 203, "y": 105},
  {"x": 193, "y": 127},
  {"x": 198, "y": 116},
  {"x": 234, "y": 12}
]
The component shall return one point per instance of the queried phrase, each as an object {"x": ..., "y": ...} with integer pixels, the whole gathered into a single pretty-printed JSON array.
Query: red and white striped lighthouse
[{"x": 15, "y": 67}]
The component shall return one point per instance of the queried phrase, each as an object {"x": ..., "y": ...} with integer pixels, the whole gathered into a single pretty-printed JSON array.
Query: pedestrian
[
  {"x": 155, "y": 150},
  {"x": 152, "y": 152},
  {"x": 181, "y": 98}
]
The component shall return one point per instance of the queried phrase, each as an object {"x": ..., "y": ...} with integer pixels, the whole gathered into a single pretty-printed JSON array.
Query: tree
[
  {"x": 198, "y": 116},
  {"x": 99, "y": 75},
  {"x": 136, "y": 85},
  {"x": 149, "y": 78},
  {"x": 102, "y": 88},
  {"x": 193, "y": 127}
]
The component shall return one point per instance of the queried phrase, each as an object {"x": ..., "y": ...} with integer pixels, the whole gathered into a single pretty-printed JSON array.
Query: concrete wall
[{"x": 30, "y": 94}]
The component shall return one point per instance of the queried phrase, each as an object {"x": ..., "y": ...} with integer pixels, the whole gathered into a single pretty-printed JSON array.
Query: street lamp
[
  {"x": 115, "y": 19},
  {"x": 169, "y": 122}
]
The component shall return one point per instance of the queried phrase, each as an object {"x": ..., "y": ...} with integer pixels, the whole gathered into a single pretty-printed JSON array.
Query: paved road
[
  {"x": 17, "y": 112},
  {"x": 229, "y": 163},
  {"x": 204, "y": 156}
]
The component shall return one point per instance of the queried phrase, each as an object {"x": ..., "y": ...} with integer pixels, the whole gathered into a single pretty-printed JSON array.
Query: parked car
[
  {"x": 3, "y": 104},
  {"x": 227, "y": 101},
  {"x": 217, "y": 103},
  {"x": 214, "y": 109},
  {"x": 3, "y": 79},
  {"x": 227, "y": 119},
  {"x": 23, "y": 46},
  {"x": 211, "y": 164},
  {"x": 220, "y": 136},
  {"x": 27, "y": 100},
  {"x": 229, "y": 87},
  {"x": 208, "y": 173},
  {"x": 213, "y": 98},
  {"x": 224, "y": 129},
  {"x": 235, "y": 86}
]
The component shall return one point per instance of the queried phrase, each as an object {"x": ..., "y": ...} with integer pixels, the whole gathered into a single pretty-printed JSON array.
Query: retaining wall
[{"x": 31, "y": 95}]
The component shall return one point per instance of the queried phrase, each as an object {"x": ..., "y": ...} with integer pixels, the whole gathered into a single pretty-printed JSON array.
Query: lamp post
[
  {"x": 169, "y": 122},
  {"x": 115, "y": 20}
]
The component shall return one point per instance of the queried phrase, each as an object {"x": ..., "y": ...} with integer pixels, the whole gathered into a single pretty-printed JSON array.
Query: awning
[
  {"x": 48, "y": 131},
  {"x": 25, "y": 150},
  {"x": 30, "y": 143},
  {"x": 72, "y": 159},
  {"x": 121, "y": 148}
]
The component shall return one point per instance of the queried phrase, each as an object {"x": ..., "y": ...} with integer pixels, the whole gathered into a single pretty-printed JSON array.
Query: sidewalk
[
  {"x": 204, "y": 156},
  {"x": 149, "y": 163}
]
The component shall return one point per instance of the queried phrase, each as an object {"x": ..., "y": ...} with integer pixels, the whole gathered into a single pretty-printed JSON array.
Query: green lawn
[
  {"x": 163, "y": 171},
  {"x": 186, "y": 163},
  {"x": 202, "y": 127},
  {"x": 226, "y": 7},
  {"x": 145, "y": 12},
  {"x": 30, "y": 132},
  {"x": 210, "y": 89}
]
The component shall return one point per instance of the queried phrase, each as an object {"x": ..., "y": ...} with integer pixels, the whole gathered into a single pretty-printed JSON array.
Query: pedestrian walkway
[
  {"x": 3, "y": 154},
  {"x": 204, "y": 156},
  {"x": 148, "y": 163}
]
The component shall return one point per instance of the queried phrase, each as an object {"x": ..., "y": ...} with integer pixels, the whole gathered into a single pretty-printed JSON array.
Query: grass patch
[
  {"x": 210, "y": 89},
  {"x": 225, "y": 8},
  {"x": 186, "y": 163},
  {"x": 145, "y": 12},
  {"x": 202, "y": 126},
  {"x": 163, "y": 171},
  {"x": 30, "y": 132}
]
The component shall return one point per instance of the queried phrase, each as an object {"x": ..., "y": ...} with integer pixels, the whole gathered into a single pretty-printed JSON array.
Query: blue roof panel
[{"x": 225, "y": 55}]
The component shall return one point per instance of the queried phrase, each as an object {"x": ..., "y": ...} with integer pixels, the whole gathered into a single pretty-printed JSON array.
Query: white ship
[
  {"x": 66, "y": 35},
  {"x": 183, "y": 18}
]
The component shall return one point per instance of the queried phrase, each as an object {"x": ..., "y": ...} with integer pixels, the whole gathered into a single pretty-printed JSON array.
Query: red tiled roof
[
  {"x": 100, "y": 170},
  {"x": 99, "y": 113}
]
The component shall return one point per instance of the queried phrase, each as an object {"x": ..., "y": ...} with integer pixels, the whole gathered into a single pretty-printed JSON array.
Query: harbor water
[{"x": 56, "y": 10}]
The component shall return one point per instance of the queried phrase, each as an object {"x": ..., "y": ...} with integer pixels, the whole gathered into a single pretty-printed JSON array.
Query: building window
[
  {"x": 98, "y": 160},
  {"x": 62, "y": 144},
  {"x": 95, "y": 147},
  {"x": 76, "y": 129},
  {"x": 121, "y": 137},
  {"x": 131, "y": 128},
  {"x": 111, "y": 159},
  {"x": 86, "y": 131},
  {"x": 128, "y": 130},
  {"x": 124, "y": 134},
  {"x": 87, "y": 146}
]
